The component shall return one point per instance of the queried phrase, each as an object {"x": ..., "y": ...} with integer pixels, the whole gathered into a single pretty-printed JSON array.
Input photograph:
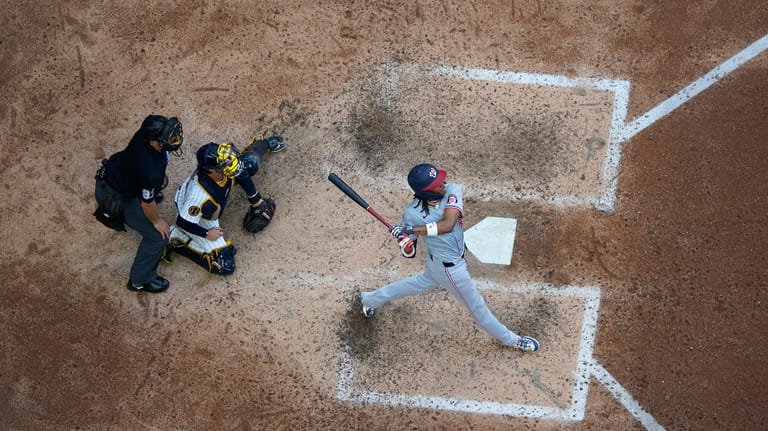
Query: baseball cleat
[
  {"x": 276, "y": 144},
  {"x": 529, "y": 344},
  {"x": 367, "y": 311},
  {"x": 157, "y": 285}
]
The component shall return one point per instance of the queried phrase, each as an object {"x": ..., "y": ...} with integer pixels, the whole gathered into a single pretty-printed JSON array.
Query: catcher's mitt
[{"x": 257, "y": 218}]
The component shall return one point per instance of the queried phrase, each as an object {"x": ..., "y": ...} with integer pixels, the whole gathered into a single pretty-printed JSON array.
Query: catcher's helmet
[
  {"x": 223, "y": 156},
  {"x": 167, "y": 131},
  {"x": 425, "y": 177}
]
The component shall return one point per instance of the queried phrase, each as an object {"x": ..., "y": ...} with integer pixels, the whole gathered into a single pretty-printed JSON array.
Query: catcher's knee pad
[
  {"x": 251, "y": 162},
  {"x": 221, "y": 261},
  {"x": 225, "y": 260}
]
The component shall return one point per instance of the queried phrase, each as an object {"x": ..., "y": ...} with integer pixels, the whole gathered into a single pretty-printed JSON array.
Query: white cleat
[{"x": 528, "y": 344}]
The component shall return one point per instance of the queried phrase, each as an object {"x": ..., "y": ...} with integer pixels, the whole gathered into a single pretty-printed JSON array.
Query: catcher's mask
[
  {"x": 167, "y": 131},
  {"x": 222, "y": 156},
  {"x": 423, "y": 178}
]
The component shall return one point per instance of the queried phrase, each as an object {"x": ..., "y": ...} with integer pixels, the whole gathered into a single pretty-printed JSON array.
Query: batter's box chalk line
[
  {"x": 619, "y": 88},
  {"x": 585, "y": 367},
  {"x": 620, "y": 130}
]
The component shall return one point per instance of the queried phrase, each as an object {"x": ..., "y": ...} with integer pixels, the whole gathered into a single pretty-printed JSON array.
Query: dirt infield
[{"x": 680, "y": 258}]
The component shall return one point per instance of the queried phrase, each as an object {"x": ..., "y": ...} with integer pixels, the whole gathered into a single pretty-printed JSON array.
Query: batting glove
[
  {"x": 407, "y": 246},
  {"x": 399, "y": 229}
]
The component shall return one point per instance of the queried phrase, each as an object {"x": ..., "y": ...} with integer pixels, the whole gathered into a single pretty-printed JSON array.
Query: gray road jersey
[{"x": 447, "y": 247}]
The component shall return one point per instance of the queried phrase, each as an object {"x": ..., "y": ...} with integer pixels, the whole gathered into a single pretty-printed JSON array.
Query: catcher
[{"x": 202, "y": 197}]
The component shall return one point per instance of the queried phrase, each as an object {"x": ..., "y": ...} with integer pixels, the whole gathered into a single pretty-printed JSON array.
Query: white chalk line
[
  {"x": 620, "y": 131},
  {"x": 619, "y": 88},
  {"x": 585, "y": 367},
  {"x": 581, "y": 373},
  {"x": 624, "y": 397},
  {"x": 693, "y": 89}
]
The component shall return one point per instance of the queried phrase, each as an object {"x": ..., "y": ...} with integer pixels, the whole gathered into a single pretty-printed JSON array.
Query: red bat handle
[
  {"x": 379, "y": 218},
  {"x": 352, "y": 194}
]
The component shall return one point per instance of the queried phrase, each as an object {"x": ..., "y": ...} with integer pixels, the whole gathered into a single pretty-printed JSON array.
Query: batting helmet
[
  {"x": 167, "y": 131},
  {"x": 223, "y": 156},
  {"x": 425, "y": 177}
]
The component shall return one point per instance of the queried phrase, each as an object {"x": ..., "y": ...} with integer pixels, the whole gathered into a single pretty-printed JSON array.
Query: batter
[{"x": 435, "y": 215}]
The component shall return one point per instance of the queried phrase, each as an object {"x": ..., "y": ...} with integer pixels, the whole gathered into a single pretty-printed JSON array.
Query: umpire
[{"x": 138, "y": 174}]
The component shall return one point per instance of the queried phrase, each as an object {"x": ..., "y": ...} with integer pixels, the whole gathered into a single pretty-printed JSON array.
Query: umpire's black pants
[{"x": 144, "y": 268}]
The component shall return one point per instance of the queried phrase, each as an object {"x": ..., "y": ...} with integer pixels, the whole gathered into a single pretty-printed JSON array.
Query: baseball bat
[{"x": 349, "y": 191}]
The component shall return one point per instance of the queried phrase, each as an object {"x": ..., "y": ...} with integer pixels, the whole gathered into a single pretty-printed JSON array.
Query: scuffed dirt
[{"x": 681, "y": 262}]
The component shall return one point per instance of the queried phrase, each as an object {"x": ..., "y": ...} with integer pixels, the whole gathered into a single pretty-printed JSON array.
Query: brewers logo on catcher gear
[{"x": 257, "y": 218}]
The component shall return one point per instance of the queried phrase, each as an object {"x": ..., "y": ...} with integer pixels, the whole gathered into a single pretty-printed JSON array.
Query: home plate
[{"x": 492, "y": 239}]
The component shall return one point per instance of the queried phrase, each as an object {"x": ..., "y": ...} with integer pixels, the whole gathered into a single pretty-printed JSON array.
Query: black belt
[{"x": 447, "y": 264}]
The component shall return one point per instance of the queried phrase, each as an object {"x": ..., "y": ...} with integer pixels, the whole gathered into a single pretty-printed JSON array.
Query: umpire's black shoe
[{"x": 155, "y": 286}]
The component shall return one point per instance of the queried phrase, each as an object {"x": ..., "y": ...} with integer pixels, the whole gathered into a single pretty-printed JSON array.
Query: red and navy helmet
[{"x": 425, "y": 177}]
